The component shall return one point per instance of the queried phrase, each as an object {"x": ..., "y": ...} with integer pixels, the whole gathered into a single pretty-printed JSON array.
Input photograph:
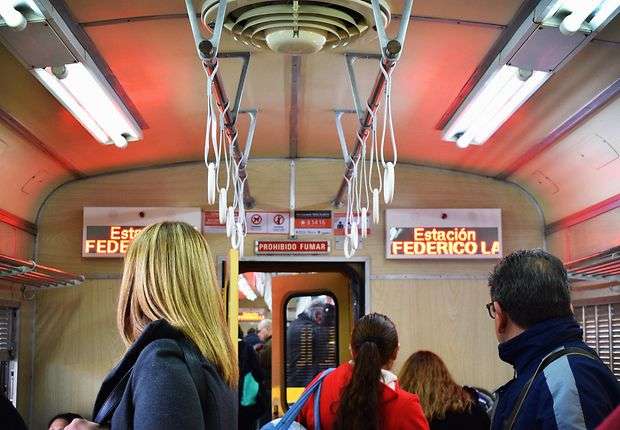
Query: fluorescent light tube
[
  {"x": 603, "y": 13},
  {"x": 63, "y": 95},
  {"x": 572, "y": 15},
  {"x": 500, "y": 96},
  {"x": 11, "y": 16},
  {"x": 85, "y": 98}
]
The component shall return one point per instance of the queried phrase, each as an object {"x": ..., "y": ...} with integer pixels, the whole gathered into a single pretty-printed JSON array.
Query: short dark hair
[
  {"x": 67, "y": 416},
  {"x": 531, "y": 286}
]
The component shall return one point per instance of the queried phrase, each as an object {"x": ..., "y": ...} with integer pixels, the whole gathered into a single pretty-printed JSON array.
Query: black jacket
[
  {"x": 161, "y": 393},
  {"x": 474, "y": 419},
  {"x": 248, "y": 365}
]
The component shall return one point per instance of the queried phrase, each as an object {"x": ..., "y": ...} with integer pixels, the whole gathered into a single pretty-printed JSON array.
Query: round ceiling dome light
[
  {"x": 283, "y": 41},
  {"x": 295, "y": 27}
]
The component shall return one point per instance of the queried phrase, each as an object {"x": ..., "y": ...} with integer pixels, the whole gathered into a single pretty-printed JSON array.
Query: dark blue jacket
[
  {"x": 160, "y": 393},
  {"x": 573, "y": 392}
]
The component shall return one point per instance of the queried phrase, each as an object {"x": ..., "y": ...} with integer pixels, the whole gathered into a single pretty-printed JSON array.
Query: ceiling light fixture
[
  {"x": 571, "y": 16},
  {"x": 17, "y": 13},
  {"x": 79, "y": 92},
  {"x": 542, "y": 43},
  {"x": 54, "y": 50}
]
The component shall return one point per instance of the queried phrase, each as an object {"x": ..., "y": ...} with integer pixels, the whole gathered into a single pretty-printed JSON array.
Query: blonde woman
[
  {"x": 446, "y": 404},
  {"x": 180, "y": 371}
]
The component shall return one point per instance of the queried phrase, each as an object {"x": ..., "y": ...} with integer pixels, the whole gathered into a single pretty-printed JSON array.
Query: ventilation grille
[
  {"x": 251, "y": 21},
  {"x": 600, "y": 267}
]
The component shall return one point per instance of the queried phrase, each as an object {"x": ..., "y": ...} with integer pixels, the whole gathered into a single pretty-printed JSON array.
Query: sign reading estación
[
  {"x": 108, "y": 231},
  {"x": 443, "y": 233}
]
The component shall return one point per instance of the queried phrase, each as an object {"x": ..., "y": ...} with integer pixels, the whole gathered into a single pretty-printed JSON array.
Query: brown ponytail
[{"x": 374, "y": 342}]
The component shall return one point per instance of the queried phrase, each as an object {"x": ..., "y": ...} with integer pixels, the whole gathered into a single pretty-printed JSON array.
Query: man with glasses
[{"x": 559, "y": 382}]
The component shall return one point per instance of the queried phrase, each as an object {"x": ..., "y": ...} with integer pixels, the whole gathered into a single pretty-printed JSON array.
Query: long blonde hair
[
  {"x": 169, "y": 275},
  {"x": 426, "y": 375}
]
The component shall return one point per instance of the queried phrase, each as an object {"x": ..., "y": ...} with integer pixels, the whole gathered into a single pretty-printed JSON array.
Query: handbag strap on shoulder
[
  {"x": 295, "y": 409},
  {"x": 104, "y": 415},
  {"x": 194, "y": 365}
]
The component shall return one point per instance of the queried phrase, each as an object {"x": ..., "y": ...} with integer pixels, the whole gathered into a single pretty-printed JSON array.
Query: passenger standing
[
  {"x": 264, "y": 360},
  {"x": 180, "y": 371},
  {"x": 252, "y": 398},
  {"x": 364, "y": 394},
  {"x": 252, "y": 338},
  {"x": 534, "y": 323},
  {"x": 447, "y": 405}
]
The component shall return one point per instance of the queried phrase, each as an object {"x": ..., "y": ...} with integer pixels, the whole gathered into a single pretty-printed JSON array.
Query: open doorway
[{"x": 312, "y": 305}]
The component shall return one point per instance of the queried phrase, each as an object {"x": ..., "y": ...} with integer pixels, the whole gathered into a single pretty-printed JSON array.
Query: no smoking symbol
[
  {"x": 256, "y": 219},
  {"x": 278, "y": 219}
]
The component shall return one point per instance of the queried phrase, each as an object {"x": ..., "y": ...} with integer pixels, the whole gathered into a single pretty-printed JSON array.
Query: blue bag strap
[
  {"x": 317, "y": 408},
  {"x": 295, "y": 410}
]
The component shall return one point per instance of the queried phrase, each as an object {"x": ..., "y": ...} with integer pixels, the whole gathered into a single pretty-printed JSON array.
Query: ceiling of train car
[{"x": 155, "y": 62}]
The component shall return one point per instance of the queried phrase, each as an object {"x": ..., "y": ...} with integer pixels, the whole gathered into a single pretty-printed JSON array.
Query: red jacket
[{"x": 398, "y": 410}]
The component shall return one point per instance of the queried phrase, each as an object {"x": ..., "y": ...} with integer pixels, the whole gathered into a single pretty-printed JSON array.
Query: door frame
[{"x": 221, "y": 259}]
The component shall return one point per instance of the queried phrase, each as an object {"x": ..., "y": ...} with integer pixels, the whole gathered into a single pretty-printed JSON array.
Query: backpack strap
[
  {"x": 194, "y": 364},
  {"x": 546, "y": 361},
  {"x": 104, "y": 415},
  {"x": 295, "y": 410}
]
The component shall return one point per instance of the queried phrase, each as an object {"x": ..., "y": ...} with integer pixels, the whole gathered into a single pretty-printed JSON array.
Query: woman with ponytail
[{"x": 363, "y": 394}]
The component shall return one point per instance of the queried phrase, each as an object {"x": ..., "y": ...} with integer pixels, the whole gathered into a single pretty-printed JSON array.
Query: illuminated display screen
[
  {"x": 109, "y": 240},
  {"x": 444, "y": 241}
]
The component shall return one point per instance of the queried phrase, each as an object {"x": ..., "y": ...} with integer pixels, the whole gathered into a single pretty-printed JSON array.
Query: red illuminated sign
[
  {"x": 288, "y": 247},
  {"x": 109, "y": 240},
  {"x": 444, "y": 241}
]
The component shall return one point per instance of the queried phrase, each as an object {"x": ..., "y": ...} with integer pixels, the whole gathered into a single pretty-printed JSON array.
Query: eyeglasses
[{"x": 491, "y": 309}]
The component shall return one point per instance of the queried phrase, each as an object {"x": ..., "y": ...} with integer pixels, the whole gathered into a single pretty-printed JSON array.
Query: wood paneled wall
[{"x": 76, "y": 338}]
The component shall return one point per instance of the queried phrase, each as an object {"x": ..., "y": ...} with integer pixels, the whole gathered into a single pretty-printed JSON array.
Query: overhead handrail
[
  {"x": 29, "y": 273},
  {"x": 207, "y": 49},
  {"x": 391, "y": 50}
]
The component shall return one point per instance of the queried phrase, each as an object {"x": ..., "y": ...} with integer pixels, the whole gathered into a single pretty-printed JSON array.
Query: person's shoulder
[{"x": 158, "y": 355}]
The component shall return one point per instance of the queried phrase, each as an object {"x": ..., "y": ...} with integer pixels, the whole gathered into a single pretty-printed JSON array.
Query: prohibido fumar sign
[{"x": 443, "y": 233}]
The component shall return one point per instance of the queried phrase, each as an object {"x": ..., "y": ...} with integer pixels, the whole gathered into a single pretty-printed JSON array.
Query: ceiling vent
[{"x": 295, "y": 27}]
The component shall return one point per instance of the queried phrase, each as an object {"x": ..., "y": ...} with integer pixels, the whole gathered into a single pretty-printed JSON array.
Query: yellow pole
[{"x": 233, "y": 296}]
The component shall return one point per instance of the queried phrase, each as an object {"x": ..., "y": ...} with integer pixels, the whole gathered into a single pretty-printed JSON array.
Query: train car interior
[{"x": 339, "y": 157}]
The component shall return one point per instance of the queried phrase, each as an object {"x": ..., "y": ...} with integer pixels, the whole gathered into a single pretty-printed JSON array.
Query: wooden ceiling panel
[
  {"x": 490, "y": 11},
  {"x": 27, "y": 175},
  {"x": 589, "y": 155},
  {"x": 437, "y": 60},
  {"x": 89, "y": 10}
]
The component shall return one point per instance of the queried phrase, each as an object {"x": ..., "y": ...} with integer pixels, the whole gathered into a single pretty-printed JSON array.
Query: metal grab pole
[{"x": 373, "y": 103}]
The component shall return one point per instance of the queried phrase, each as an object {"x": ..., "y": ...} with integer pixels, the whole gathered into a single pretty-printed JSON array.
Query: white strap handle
[
  {"x": 375, "y": 206},
  {"x": 364, "y": 222},
  {"x": 230, "y": 221},
  {"x": 223, "y": 205},
  {"x": 388, "y": 183},
  {"x": 236, "y": 238},
  {"x": 348, "y": 249},
  {"x": 355, "y": 239},
  {"x": 211, "y": 183}
]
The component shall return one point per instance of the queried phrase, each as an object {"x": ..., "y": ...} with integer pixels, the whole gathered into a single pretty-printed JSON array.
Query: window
[
  {"x": 311, "y": 340},
  {"x": 601, "y": 331},
  {"x": 8, "y": 352}
]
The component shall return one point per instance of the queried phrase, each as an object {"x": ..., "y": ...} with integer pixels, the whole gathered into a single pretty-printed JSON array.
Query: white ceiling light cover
[{"x": 297, "y": 27}]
